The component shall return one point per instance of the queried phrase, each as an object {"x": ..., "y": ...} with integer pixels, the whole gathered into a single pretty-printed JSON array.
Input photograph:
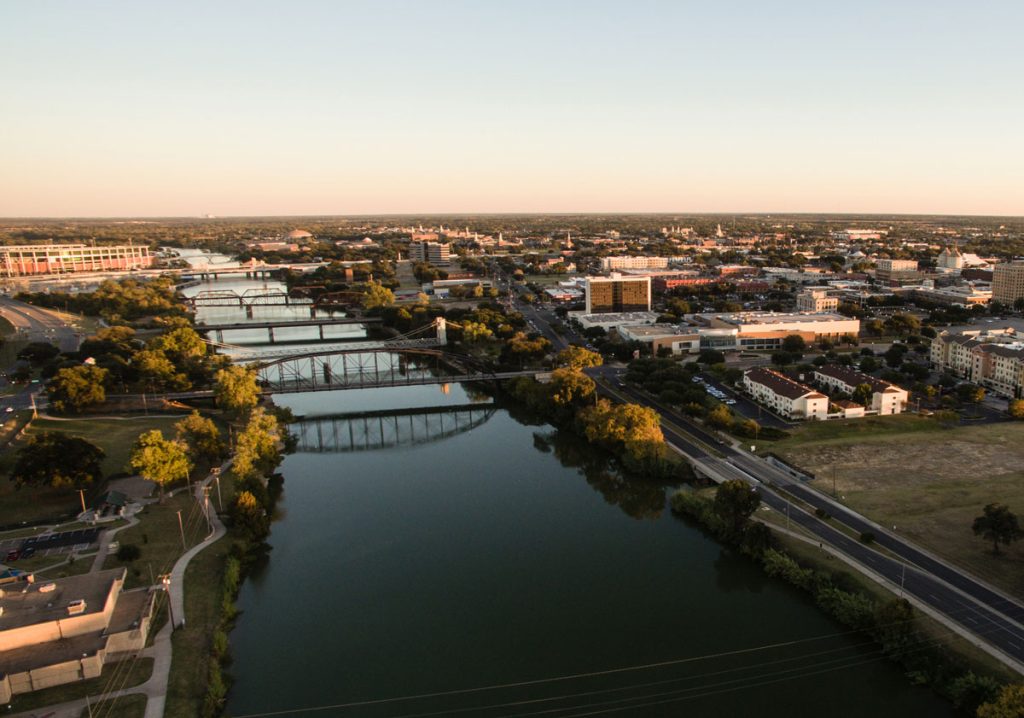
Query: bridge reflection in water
[{"x": 387, "y": 429}]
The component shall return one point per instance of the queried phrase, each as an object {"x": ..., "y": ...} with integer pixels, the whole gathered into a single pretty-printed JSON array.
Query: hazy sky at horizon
[{"x": 260, "y": 108}]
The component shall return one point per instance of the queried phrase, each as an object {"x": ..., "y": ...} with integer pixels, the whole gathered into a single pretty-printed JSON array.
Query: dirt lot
[{"x": 930, "y": 485}]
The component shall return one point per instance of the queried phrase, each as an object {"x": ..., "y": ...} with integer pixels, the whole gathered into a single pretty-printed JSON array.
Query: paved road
[{"x": 38, "y": 324}]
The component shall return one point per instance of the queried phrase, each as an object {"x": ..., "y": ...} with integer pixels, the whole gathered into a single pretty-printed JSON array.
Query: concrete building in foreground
[
  {"x": 64, "y": 630},
  {"x": 30, "y": 259},
  {"x": 785, "y": 396},
  {"x": 886, "y": 397},
  {"x": 618, "y": 293}
]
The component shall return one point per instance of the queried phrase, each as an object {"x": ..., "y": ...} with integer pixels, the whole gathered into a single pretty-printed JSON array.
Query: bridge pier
[
  {"x": 270, "y": 331},
  {"x": 248, "y": 311},
  {"x": 321, "y": 326}
]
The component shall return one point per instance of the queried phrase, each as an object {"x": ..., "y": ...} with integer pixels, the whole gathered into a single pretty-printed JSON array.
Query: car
[
  {"x": 730, "y": 402},
  {"x": 27, "y": 552},
  {"x": 9, "y": 409},
  {"x": 13, "y": 554}
]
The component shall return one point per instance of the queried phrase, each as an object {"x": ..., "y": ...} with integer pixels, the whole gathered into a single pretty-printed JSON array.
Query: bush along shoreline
[
  {"x": 892, "y": 624},
  {"x": 259, "y": 449}
]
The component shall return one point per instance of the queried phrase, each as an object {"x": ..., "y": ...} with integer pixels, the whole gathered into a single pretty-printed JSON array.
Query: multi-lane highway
[{"x": 38, "y": 324}]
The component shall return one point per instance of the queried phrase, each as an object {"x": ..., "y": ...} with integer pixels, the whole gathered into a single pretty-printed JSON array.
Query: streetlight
[{"x": 165, "y": 579}]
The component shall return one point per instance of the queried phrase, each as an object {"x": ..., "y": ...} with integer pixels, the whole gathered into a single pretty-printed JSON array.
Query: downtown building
[
  {"x": 618, "y": 294},
  {"x": 434, "y": 253},
  {"x": 1008, "y": 282},
  {"x": 33, "y": 259}
]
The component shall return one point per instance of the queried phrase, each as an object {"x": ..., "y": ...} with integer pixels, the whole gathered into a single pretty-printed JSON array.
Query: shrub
[{"x": 128, "y": 552}]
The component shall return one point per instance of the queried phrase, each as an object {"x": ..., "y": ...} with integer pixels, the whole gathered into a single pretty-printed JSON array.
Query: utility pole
[
  {"x": 787, "y": 515},
  {"x": 165, "y": 579},
  {"x": 903, "y": 575},
  {"x": 88, "y": 705},
  {"x": 181, "y": 528},
  {"x": 220, "y": 500},
  {"x": 206, "y": 506},
  {"x": 81, "y": 495}
]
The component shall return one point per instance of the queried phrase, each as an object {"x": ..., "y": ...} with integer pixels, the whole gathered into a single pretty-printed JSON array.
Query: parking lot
[{"x": 47, "y": 544}]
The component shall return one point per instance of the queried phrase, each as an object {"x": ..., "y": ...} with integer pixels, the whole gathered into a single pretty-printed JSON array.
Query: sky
[{"x": 461, "y": 106}]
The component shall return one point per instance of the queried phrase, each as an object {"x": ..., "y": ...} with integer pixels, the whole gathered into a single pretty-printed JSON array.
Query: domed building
[
  {"x": 297, "y": 234},
  {"x": 950, "y": 258}
]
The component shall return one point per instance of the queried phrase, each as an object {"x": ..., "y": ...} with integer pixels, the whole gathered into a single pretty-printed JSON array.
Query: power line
[{"x": 576, "y": 676}]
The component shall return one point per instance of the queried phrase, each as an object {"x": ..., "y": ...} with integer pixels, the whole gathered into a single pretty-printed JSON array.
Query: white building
[
  {"x": 816, "y": 300},
  {"x": 886, "y": 397},
  {"x": 823, "y": 325},
  {"x": 612, "y": 263},
  {"x": 434, "y": 253},
  {"x": 785, "y": 396}
]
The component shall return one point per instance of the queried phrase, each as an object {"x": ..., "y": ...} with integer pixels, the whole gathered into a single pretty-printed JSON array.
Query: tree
[
  {"x": 710, "y": 356},
  {"x": 576, "y": 357},
  {"x": 249, "y": 516},
  {"x": 998, "y": 525},
  {"x": 782, "y": 358},
  {"x": 159, "y": 372},
  {"x": 256, "y": 447},
  {"x": 863, "y": 393},
  {"x": 75, "y": 388},
  {"x": 475, "y": 331},
  {"x": 1009, "y": 704},
  {"x": 1016, "y": 408},
  {"x": 720, "y": 417},
  {"x": 377, "y": 295},
  {"x": 162, "y": 461},
  {"x": 569, "y": 387},
  {"x": 235, "y": 389},
  {"x": 58, "y": 460},
  {"x": 735, "y": 502},
  {"x": 794, "y": 344},
  {"x": 201, "y": 435},
  {"x": 37, "y": 353}
]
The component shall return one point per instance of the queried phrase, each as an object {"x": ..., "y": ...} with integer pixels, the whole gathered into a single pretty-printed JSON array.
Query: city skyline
[{"x": 454, "y": 108}]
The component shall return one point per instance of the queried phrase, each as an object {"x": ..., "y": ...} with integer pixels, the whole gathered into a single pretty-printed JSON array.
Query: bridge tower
[{"x": 442, "y": 331}]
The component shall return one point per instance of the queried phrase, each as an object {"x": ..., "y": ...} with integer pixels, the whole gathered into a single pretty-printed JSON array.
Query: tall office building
[
  {"x": 617, "y": 293},
  {"x": 1008, "y": 282},
  {"x": 433, "y": 252},
  {"x": 27, "y": 259}
]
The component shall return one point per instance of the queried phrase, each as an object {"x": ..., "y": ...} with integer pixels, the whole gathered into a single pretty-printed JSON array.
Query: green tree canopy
[
  {"x": 201, "y": 436},
  {"x": 377, "y": 295},
  {"x": 58, "y": 460},
  {"x": 998, "y": 525},
  {"x": 576, "y": 357},
  {"x": 162, "y": 461},
  {"x": 235, "y": 389},
  {"x": 72, "y": 389},
  {"x": 1009, "y": 704},
  {"x": 735, "y": 502},
  {"x": 1016, "y": 408}
]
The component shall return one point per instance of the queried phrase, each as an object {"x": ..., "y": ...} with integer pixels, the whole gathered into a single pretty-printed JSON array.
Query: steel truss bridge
[
  {"x": 387, "y": 429},
  {"x": 248, "y": 298},
  {"x": 373, "y": 367}
]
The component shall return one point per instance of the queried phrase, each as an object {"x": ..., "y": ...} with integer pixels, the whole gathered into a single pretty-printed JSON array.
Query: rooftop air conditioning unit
[{"x": 75, "y": 607}]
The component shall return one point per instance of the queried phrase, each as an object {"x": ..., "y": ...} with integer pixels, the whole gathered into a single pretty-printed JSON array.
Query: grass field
[
  {"x": 159, "y": 538},
  {"x": 927, "y": 481},
  {"x": 114, "y": 436},
  {"x": 133, "y": 706}
]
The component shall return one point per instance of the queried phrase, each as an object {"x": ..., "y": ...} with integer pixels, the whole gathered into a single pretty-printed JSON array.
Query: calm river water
[{"x": 505, "y": 553}]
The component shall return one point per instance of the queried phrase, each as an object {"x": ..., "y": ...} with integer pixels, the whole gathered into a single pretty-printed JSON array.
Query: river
[{"x": 502, "y": 552}]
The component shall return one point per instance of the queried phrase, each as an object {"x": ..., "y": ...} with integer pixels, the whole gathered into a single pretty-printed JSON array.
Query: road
[{"x": 38, "y": 324}]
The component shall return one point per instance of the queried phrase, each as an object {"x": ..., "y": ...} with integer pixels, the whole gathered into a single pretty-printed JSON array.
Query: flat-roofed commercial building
[
  {"x": 823, "y": 325},
  {"x": 785, "y": 396},
  {"x": 31, "y": 259},
  {"x": 618, "y": 293},
  {"x": 662, "y": 336},
  {"x": 64, "y": 630},
  {"x": 886, "y": 397},
  {"x": 896, "y": 270},
  {"x": 1008, "y": 282}
]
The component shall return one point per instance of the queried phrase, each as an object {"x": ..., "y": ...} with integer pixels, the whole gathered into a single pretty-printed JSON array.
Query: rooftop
[
  {"x": 782, "y": 385},
  {"x": 25, "y": 604},
  {"x": 854, "y": 377}
]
